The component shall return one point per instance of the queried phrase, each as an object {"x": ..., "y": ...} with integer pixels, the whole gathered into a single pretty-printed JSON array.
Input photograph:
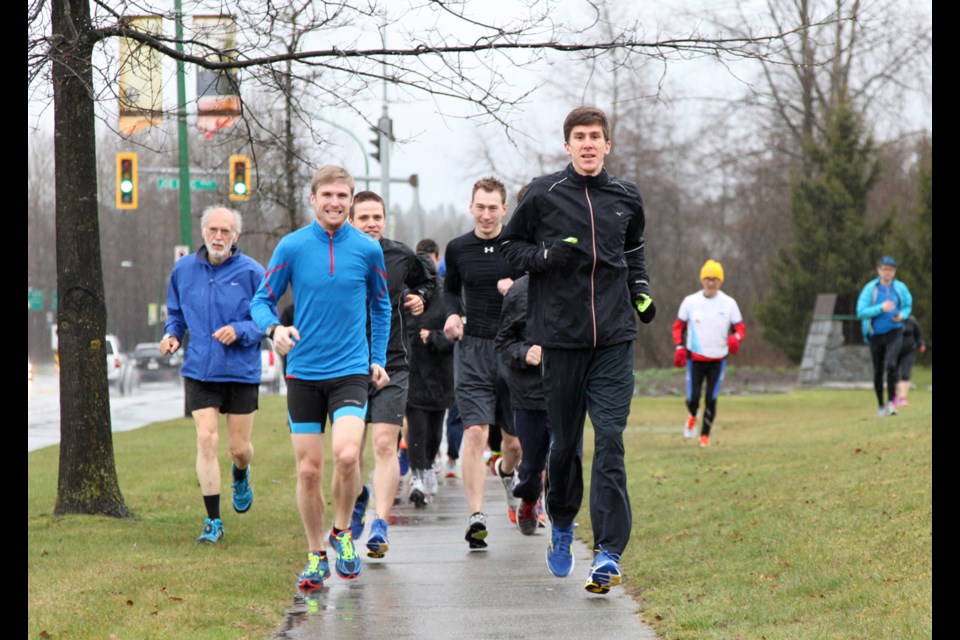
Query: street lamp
[{"x": 127, "y": 264}]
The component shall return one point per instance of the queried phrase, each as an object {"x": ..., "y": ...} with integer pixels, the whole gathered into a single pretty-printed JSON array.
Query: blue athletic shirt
[{"x": 332, "y": 278}]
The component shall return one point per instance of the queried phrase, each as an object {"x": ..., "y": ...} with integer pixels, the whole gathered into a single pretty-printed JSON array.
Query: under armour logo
[
  {"x": 488, "y": 249},
  {"x": 619, "y": 213}
]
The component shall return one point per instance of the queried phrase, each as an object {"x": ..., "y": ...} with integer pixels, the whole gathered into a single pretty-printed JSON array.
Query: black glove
[
  {"x": 558, "y": 253},
  {"x": 643, "y": 303}
]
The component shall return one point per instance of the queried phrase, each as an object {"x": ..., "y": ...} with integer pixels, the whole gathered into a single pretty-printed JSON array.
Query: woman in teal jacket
[{"x": 884, "y": 303}]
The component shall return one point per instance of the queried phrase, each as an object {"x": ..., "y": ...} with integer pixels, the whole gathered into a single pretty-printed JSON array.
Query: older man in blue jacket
[
  {"x": 209, "y": 294},
  {"x": 884, "y": 303}
]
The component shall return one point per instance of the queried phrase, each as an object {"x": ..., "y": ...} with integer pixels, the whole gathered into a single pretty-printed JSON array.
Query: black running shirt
[{"x": 474, "y": 266}]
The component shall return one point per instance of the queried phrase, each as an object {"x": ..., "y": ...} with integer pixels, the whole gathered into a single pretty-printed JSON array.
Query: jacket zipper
[
  {"x": 593, "y": 270},
  {"x": 331, "y": 252}
]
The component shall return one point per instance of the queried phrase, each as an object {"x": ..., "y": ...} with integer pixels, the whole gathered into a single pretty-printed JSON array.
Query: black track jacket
[{"x": 586, "y": 303}]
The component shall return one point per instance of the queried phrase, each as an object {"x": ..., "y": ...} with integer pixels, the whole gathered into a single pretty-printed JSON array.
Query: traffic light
[
  {"x": 240, "y": 178},
  {"x": 127, "y": 180},
  {"x": 376, "y": 143}
]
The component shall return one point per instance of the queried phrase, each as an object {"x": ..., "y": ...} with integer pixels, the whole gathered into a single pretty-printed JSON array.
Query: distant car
[
  {"x": 150, "y": 366},
  {"x": 271, "y": 370},
  {"x": 117, "y": 363}
]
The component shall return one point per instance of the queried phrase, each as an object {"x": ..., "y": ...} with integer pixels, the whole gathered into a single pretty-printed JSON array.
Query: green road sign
[
  {"x": 203, "y": 185},
  {"x": 195, "y": 185},
  {"x": 35, "y": 299}
]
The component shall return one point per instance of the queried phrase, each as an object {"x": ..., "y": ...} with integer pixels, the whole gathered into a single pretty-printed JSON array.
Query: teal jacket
[{"x": 868, "y": 309}]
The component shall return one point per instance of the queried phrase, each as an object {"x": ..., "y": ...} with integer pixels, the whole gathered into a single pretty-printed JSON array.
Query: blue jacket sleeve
[
  {"x": 175, "y": 324},
  {"x": 867, "y": 308},
  {"x": 248, "y": 332}
]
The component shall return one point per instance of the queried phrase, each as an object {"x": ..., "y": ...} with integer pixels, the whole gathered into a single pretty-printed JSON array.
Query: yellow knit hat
[{"x": 711, "y": 269}]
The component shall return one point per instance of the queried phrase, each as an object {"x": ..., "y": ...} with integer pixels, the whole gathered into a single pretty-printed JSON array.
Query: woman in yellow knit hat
[{"x": 714, "y": 329}]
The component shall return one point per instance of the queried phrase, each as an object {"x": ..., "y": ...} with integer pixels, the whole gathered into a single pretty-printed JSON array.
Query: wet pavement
[{"x": 430, "y": 585}]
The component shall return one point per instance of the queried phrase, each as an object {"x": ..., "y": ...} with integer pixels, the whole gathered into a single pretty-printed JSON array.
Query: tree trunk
[{"x": 88, "y": 478}]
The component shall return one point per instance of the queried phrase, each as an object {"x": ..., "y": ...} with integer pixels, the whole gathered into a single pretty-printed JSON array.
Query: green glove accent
[
  {"x": 571, "y": 240},
  {"x": 643, "y": 302}
]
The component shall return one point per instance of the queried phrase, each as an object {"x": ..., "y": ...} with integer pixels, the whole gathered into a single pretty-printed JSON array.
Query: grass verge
[{"x": 808, "y": 518}]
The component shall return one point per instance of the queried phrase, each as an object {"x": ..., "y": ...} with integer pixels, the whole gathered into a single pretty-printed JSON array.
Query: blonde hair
[{"x": 331, "y": 173}]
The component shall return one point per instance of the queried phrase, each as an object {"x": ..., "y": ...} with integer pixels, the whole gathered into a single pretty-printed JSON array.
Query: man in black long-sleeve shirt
[{"x": 477, "y": 279}]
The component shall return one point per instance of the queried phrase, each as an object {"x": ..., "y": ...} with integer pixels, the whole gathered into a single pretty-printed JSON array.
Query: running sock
[
  {"x": 336, "y": 532},
  {"x": 239, "y": 474},
  {"x": 212, "y": 503}
]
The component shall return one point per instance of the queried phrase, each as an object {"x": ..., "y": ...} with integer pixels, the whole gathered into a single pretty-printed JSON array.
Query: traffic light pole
[{"x": 186, "y": 228}]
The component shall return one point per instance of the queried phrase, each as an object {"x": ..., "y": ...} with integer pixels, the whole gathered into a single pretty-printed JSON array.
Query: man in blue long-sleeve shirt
[{"x": 336, "y": 274}]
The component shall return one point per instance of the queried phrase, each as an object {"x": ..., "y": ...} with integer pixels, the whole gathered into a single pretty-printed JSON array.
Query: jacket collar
[
  {"x": 202, "y": 254},
  {"x": 598, "y": 180},
  {"x": 323, "y": 233}
]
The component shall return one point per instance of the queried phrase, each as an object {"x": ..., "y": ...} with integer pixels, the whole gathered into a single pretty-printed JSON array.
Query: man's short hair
[
  {"x": 367, "y": 196},
  {"x": 585, "y": 116},
  {"x": 331, "y": 173},
  {"x": 427, "y": 245},
  {"x": 237, "y": 220},
  {"x": 489, "y": 184}
]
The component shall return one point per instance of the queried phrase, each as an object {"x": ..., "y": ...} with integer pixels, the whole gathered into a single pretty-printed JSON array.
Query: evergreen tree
[
  {"x": 833, "y": 248},
  {"x": 916, "y": 247}
]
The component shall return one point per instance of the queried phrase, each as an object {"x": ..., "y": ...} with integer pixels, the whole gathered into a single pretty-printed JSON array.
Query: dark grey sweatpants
[{"x": 599, "y": 382}]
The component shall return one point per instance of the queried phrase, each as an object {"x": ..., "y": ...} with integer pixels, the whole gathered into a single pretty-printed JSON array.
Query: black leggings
[
  {"x": 424, "y": 433},
  {"x": 697, "y": 371},
  {"x": 885, "y": 351}
]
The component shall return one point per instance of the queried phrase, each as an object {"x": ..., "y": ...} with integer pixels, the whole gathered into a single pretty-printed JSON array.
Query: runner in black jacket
[
  {"x": 411, "y": 286},
  {"x": 530, "y": 420},
  {"x": 579, "y": 233},
  {"x": 431, "y": 389}
]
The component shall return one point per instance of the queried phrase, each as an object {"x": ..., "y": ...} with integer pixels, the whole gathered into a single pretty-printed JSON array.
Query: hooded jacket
[
  {"x": 431, "y": 365},
  {"x": 512, "y": 344}
]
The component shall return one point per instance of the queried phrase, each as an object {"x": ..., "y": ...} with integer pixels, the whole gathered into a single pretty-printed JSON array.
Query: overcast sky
[{"x": 441, "y": 140}]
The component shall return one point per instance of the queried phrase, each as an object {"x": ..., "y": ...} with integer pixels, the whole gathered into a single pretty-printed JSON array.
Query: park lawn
[{"x": 808, "y": 518}]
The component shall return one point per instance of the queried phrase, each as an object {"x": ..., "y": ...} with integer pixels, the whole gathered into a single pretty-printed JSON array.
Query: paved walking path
[{"x": 430, "y": 585}]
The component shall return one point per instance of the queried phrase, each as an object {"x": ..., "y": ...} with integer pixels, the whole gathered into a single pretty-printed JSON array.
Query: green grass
[{"x": 809, "y": 518}]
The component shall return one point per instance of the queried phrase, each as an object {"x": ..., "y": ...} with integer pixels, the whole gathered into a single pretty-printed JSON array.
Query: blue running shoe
[
  {"x": 348, "y": 563},
  {"x": 242, "y": 491},
  {"x": 604, "y": 573},
  {"x": 316, "y": 570},
  {"x": 377, "y": 543},
  {"x": 212, "y": 531},
  {"x": 359, "y": 517},
  {"x": 559, "y": 554}
]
